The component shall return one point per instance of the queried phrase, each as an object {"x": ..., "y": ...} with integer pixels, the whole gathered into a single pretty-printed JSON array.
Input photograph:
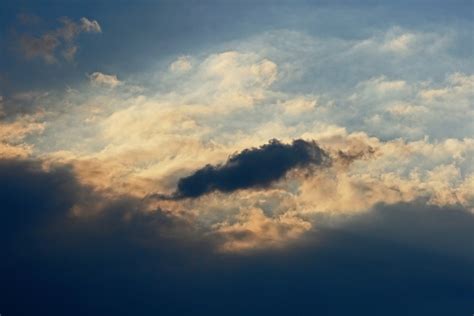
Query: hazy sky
[{"x": 237, "y": 157}]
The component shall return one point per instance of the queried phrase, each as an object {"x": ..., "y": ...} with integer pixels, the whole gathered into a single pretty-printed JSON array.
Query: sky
[{"x": 236, "y": 157}]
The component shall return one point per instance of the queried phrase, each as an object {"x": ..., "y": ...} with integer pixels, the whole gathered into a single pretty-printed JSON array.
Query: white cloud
[
  {"x": 223, "y": 82},
  {"x": 105, "y": 80},
  {"x": 299, "y": 105},
  {"x": 457, "y": 86},
  {"x": 181, "y": 65},
  {"x": 402, "y": 43},
  {"x": 239, "y": 70},
  {"x": 90, "y": 25},
  {"x": 406, "y": 109}
]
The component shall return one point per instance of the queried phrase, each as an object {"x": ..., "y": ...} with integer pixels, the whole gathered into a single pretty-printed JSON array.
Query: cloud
[
  {"x": 412, "y": 110},
  {"x": 458, "y": 87},
  {"x": 99, "y": 78},
  {"x": 252, "y": 168},
  {"x": 144, "y": 260},
  {"x": 136, "y": 143},
  {"x": 224, "y": 81},
  {"x": 20, "y": 103},
  {"x": 90, "y": 26},
  {"x": 45, "y": 46},
  {"x": 299, "y": 105},
  {"x": 69, "y": 53},
  {"x": 397, "y": 193},
  {"x": 181, "y": 65},
  {"x": 145, "y": 144},
  {"x": 253, "y": 230},
  {"x": 31, "y": 196},
  {"x": 400, "y": 43},
  {"x": 406, "y": 109},
  {"x": 14, "y": 132}
]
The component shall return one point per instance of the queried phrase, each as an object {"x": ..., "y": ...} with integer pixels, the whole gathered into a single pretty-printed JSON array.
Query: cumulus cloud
[
  {"x": 46, "y": 45},
  {"x": 99, "y": 78},
  {"x": 224, "y": 81}
]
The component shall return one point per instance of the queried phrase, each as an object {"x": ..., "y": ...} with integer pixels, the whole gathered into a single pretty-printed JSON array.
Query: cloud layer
[{"x": 126, "y": 257}]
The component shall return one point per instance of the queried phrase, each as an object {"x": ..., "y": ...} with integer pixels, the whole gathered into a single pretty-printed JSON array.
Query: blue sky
[{"x": 149, "y": 32}]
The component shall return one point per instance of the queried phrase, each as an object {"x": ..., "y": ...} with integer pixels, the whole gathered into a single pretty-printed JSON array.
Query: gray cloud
[{"x": 123, "y": 261}]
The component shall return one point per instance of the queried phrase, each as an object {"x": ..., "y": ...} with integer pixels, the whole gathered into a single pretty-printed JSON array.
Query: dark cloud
[
  {"x": 447, "y": 231},
  {"x": 252, "y": 168},
  {"x": 29, "y": 195},
  {"x": 47, "y": 253},
  {"x": 35, "y": 201},
  {"x": 403, "y": 259}
]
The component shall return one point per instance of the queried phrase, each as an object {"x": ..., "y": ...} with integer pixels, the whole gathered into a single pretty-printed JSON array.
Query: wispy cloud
[
  {"x": 104, "y": 80},
  {"x": 46, "y": 45}
]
